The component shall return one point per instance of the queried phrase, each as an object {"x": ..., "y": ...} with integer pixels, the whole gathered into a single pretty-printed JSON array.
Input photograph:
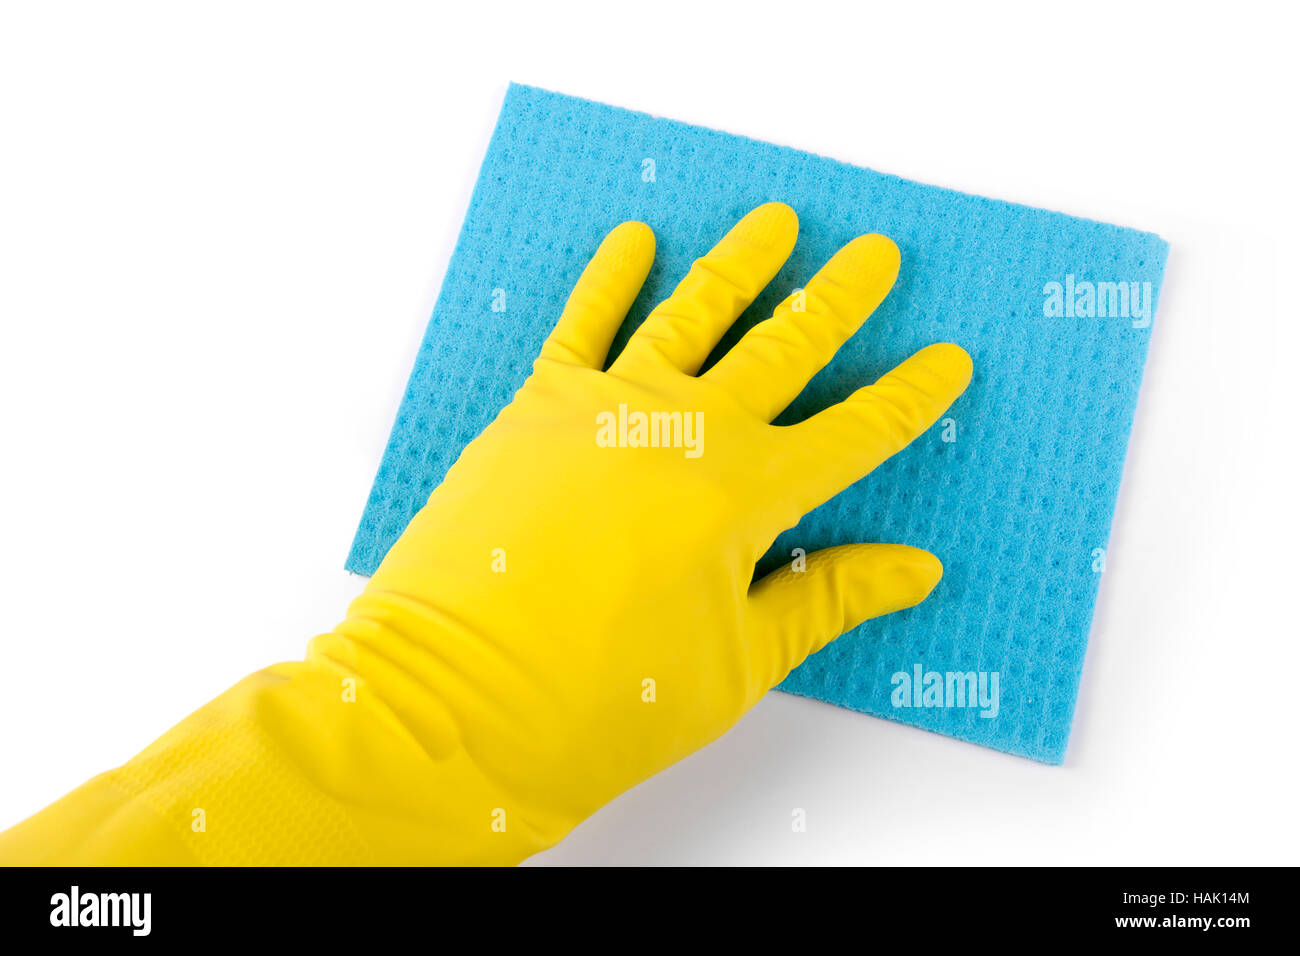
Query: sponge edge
[{"x": 1013, "y": 489}]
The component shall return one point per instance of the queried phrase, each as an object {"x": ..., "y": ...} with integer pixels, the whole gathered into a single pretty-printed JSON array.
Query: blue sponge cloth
[{"x": 1013, "y": 489}]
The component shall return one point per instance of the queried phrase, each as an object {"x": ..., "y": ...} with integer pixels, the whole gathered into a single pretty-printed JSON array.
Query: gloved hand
[{"x": 573, "y": 609}]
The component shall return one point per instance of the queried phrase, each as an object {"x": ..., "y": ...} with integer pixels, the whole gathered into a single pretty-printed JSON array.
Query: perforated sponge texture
[{"x": 1013, "y": 489}]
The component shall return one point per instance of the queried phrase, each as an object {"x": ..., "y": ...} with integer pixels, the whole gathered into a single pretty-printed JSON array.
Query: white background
[{"x": 222, "y": 230}]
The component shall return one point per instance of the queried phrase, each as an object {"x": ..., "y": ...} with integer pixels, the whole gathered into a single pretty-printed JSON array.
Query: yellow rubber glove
[{"x": 573, "y": 609}]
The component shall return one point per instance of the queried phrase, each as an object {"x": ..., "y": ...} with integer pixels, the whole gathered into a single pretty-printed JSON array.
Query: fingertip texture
[
  {"x": 948, "y": 363},
  {"x": 872, "y": 258},
  {"x": 772, "y": 225},
  {"x": 629, "y": 247}
]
